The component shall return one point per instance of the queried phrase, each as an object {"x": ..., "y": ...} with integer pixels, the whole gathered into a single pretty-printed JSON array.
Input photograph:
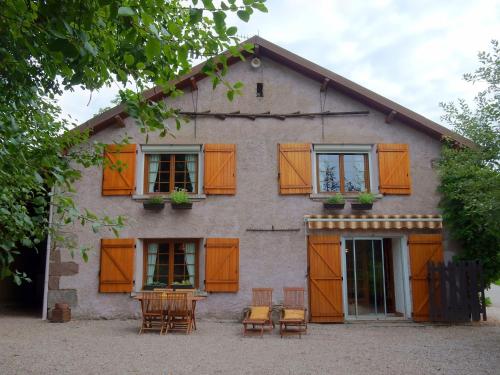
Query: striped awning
[{"x": 381, "y": 222}]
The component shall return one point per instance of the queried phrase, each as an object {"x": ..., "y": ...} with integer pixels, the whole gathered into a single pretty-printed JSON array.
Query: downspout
[{"x": 47, "y": 260}]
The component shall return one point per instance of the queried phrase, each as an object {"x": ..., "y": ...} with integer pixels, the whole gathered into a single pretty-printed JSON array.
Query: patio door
[
  {"x": 325, "y": 279},
  {"x": 366, "y": 279}
]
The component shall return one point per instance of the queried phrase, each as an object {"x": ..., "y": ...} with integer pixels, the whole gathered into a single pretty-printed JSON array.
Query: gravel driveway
[{"x": 31, "y": 346}]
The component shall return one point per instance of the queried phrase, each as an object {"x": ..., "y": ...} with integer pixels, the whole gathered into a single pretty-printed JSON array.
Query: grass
[
  {"x": 497, "y": 282},
  {"x": 487, "y": 301}
]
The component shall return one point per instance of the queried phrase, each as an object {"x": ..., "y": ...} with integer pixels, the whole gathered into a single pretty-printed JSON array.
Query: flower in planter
[
  {"x": 156, "y": 200},
  {"x": 154, "y": 203},
  {"x": 366, "y": 198},
  {"x": 336, "y": 199},
  {"x": 365, "y": 202},
  {"x": 180, "y": 196}
]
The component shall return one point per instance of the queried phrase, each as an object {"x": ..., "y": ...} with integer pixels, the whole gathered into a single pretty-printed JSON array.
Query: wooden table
[
  {"x": 191, "y": 298},
  {"x": 195, "y": 299}
]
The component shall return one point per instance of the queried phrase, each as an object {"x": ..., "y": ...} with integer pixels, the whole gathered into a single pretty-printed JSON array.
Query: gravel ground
[{"x": 31, "y": 346}]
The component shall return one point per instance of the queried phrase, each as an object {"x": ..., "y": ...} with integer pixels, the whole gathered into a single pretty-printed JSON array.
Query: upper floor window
[
  {"x": 166, "y": 172},
  {"x": 342, "y": 171},
  {"x": 171, "y": 167}
]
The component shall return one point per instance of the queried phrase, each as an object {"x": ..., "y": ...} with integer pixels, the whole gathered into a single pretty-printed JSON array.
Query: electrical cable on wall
[
  {"x": 322, "y": 103},
  {"x": 195, "y": 107}
]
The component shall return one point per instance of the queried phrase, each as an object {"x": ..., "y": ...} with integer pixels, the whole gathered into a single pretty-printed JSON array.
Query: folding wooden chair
[
  {"x": 293, "y": 315},
  {"x": 259, "y": 315},
  {"x": 179, "y": 312},
  {"x": 153, "y": 311}
]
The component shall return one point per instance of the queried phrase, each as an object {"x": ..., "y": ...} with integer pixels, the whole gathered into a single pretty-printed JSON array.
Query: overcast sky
[{"x": 413, "y": 52}]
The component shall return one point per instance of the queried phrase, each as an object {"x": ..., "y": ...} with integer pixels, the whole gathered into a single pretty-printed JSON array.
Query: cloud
[{"x": 414, "y": 53}]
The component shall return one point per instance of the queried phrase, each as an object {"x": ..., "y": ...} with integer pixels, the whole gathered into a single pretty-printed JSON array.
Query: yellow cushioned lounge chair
[
  {"x": 293, "y": 315},
  {"x": 259, "y": 314}
]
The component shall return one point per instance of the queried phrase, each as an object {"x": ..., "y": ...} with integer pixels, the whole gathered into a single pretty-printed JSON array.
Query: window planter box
[
  {"x": 153, "y": 206},
  {"x": 333, "y": 206},
  {"x": 181, "y": 286},
  {"x": 182, "y": 206},
  {"x": 361, "y": 206}
]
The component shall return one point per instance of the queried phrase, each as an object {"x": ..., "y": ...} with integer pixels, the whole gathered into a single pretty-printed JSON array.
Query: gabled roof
[{"x": 265, "y": 48}]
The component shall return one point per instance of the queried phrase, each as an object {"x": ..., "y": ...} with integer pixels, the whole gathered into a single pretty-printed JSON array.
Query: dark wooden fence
[{"x": 456, "y": 292}]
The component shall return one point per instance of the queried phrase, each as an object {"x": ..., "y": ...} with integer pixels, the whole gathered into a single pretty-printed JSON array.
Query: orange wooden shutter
[
  {"x": 423, "y": 248},
  {"x": 222, "y": 268},
  {"x": 119, "y": 181},
  {"x": 295, "y": 168},
  {"x": 394, "y": 169},
  {"x": 117, "y": 265},
  {"x": 220, "y": 169},
  {"x": 325, "y": 279}
]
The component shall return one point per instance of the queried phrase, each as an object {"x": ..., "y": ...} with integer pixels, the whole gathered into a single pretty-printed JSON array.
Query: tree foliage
[
  {"x": 50, "y": 46},
  {"x": 470, "y": 177}
]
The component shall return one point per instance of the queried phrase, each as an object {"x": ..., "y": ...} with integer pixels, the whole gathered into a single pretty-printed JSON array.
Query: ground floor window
[{"x": 171, "y": 264}]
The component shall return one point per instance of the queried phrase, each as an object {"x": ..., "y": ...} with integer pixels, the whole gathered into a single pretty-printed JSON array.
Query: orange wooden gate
[
  {"x": 325, "y": 279},
  {"x": 423, "y": 248}
]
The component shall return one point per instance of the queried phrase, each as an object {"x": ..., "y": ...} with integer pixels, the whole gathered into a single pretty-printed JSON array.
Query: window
[
  {"x": 170, "y": 263},
  {"x": 342, "y": 172},
  {"x": 163, "y": 173},
  {"x": 260, "y": 90}
]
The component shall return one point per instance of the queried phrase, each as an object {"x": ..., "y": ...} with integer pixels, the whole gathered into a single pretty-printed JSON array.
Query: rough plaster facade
[{"x": 267, "y": 259}]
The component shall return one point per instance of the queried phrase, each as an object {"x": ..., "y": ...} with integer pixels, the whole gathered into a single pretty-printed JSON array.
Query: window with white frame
[
  {"x": 342, "y": 169},
  {"x": 167, "y": 168}
]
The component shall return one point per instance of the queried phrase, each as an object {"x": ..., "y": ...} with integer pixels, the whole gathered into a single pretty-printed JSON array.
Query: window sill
[
  {"x": 348, "y": 198},
  {"x": 141, "y": 198}
]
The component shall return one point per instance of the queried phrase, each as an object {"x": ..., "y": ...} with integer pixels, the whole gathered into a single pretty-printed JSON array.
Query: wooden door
[
  {"x": 325, "y": 279},
  {"x": 423, "y": 248}
]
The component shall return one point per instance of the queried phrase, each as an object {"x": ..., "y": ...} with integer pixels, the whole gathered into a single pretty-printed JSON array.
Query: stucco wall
[{"x": 267, "y": 259}]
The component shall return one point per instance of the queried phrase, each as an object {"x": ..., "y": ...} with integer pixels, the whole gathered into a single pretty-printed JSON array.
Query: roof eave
[{"x": 307, "y": 68}]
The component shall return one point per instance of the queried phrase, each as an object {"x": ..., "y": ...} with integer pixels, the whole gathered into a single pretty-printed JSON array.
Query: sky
[{"x": 412, "y": 52}]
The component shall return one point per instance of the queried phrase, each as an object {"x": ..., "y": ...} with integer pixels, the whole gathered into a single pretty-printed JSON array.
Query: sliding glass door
[{"x": 366, "y": 289}]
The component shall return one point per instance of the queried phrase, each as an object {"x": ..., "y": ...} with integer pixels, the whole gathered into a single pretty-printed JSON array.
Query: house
[{"x": 258, "y": 170}]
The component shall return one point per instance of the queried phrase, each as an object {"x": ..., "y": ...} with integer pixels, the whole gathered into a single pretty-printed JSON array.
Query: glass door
[{"x": 366, "y": 294}]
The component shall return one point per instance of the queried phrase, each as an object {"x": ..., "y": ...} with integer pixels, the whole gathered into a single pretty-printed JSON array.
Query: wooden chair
[
  {"x": 293, "y": 315},
  {"x": 261, "y": 297},
  {"x": 179, "y": 312},
  {"x": 153, "y": 311}
]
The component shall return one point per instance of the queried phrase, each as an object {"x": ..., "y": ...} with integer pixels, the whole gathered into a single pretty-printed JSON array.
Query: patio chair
[
  {"x": 179, "y": 312},
  {"x": 259, "y": 314},
  {"x": 293, "y": 314},
  {"x": 153, "y": 311}
]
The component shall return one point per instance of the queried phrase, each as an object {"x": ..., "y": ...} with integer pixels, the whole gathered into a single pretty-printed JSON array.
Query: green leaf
[
  {"x": 129, "y": 59},
  {"x": 230, "y": 95},
  {"x": 261, "y": 7},
  {"x": 195, "y": 15},
  {"x": 219, "y": 19},
  {"x": 16, "y": 279},
  {"x": 231, "y": 30},
  {"x": 152, "y": 49},
  {"x": 125, "y": 12},
  {"x": 90, "y": 48},
  {"x": 243, "y": 15}
]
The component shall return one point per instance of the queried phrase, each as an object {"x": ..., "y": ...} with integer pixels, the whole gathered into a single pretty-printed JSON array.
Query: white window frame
[
  {"x": 343, "y": 149},
  {"x": 168, "y": 149}
]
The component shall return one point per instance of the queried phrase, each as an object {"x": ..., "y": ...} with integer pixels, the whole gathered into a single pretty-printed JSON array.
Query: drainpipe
[{"x": 47, "y": 260}]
